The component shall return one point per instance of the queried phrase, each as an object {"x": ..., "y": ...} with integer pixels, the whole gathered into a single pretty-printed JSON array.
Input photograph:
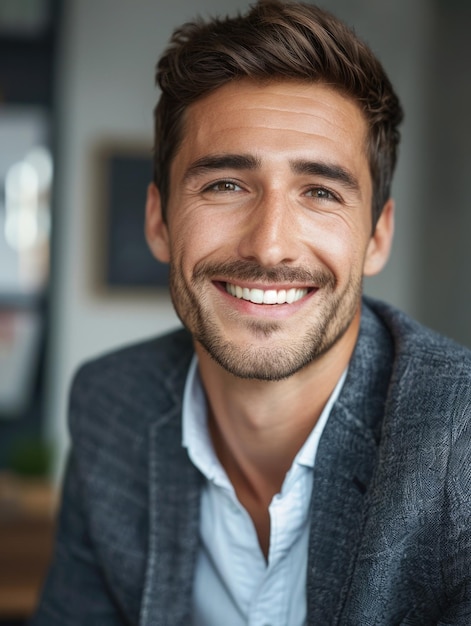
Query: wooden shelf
[{"x": 26, "y": 536}]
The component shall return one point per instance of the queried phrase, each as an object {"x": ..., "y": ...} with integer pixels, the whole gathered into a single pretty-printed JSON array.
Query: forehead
[{"x": 274, "y": 121}]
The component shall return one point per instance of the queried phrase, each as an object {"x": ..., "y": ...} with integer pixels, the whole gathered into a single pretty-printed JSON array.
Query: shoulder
[
  {"x": 419, "y": 347},
  {"x": 429, "y": 392},
  {"x": 165, "y": 354},
  {"x": 137, "y": 384},
  {"x": 429, "y": 400}
]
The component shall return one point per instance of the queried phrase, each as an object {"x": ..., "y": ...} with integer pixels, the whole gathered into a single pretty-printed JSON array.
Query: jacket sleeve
[{"x": 75, "y": 592}]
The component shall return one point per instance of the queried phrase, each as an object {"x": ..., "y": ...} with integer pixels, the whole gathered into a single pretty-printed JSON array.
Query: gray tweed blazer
[{"x": 390, "y": 538}]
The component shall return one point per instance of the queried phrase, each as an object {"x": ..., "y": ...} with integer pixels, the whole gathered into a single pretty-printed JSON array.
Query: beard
[{"x": 275, "y": 360}]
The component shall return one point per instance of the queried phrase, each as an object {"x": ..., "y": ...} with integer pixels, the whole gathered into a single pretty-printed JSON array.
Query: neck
[{"x": 257, "y": 427}]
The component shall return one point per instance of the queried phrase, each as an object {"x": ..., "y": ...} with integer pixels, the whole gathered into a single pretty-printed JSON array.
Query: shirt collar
[
  {"x": 195, "y": 432},
  {"x": 197, "y": 440}
]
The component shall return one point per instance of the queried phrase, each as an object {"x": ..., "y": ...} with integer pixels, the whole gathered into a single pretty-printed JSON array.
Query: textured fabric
[
  {"x": 390, "y": 523},
  {"x": 244, "y": 587}
]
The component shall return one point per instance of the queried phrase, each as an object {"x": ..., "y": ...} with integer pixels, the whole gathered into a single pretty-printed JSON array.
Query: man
[{"x": 295, "y": 456}]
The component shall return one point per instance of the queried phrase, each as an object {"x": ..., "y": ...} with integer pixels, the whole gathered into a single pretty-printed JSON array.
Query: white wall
[{"x": 109, "y": 49}]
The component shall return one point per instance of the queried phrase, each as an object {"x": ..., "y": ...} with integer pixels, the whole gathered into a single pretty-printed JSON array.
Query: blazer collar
[{"x": 345, "y": 462}]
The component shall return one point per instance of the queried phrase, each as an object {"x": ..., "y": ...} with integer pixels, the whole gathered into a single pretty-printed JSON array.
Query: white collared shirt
[{"x": 234, "y": 585}]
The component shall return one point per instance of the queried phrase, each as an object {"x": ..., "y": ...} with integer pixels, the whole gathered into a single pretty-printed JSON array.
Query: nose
[{"x": 269, "y": 235}]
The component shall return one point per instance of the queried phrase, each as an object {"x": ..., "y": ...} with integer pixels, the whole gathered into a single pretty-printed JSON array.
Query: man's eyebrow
[
  {"x": 326, "y": 170},
  {"x": 222, "y": 162}
]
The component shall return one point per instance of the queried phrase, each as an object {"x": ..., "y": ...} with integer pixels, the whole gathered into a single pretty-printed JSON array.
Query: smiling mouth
[{"x": 266, "y": 296}]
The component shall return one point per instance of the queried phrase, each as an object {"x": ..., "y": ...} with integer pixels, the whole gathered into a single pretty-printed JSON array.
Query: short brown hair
[{"x": 276, "y": 41}]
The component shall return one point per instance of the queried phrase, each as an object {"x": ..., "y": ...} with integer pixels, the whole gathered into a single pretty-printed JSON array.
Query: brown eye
[
  {"x": 223, "y": 186},
  {"x": 320, "y": 193}
]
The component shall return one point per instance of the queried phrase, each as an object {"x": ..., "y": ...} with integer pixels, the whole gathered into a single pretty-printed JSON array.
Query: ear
[
  {"x": 155, "y": 227},
  {"x": 380, "y": 243}
]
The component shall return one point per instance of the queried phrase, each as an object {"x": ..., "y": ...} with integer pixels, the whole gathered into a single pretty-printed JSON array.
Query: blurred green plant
[{"x": 31, "y": 457}]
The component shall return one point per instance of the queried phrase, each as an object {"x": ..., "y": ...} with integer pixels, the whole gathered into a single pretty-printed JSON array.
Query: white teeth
[
  {"x": 256, "y": 296},
  {"x": 270, "y": 296},
  {"x": 281, "y": 296},
  {"x": 290, "y": 296}
]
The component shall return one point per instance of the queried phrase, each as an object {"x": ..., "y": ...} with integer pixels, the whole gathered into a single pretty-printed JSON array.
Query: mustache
[{"x": 250, "y": 271}]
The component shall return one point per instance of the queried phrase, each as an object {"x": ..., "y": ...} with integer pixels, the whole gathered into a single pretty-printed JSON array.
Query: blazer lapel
[
  {"x": 174, "y": 503},
  {"x": 345, "y": 462}
]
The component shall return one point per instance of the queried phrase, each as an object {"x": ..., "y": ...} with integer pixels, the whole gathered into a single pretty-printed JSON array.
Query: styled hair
[{"x": 276, "y": 40}]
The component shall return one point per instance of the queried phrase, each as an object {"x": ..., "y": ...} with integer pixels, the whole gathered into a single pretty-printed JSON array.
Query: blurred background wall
[{"x": 103, "y": 98}]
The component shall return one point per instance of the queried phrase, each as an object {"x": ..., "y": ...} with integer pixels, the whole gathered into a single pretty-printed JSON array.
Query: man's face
[{"x": 269, "y": 225}]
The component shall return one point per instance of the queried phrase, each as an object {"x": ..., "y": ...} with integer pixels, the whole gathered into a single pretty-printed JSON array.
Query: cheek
[
  {"x": 337, "y": 244},
  {"x": 196, "y": 238}
]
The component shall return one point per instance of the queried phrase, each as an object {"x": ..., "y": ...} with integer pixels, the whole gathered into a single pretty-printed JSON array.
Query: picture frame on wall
[{"x": 125, "y": 171}]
